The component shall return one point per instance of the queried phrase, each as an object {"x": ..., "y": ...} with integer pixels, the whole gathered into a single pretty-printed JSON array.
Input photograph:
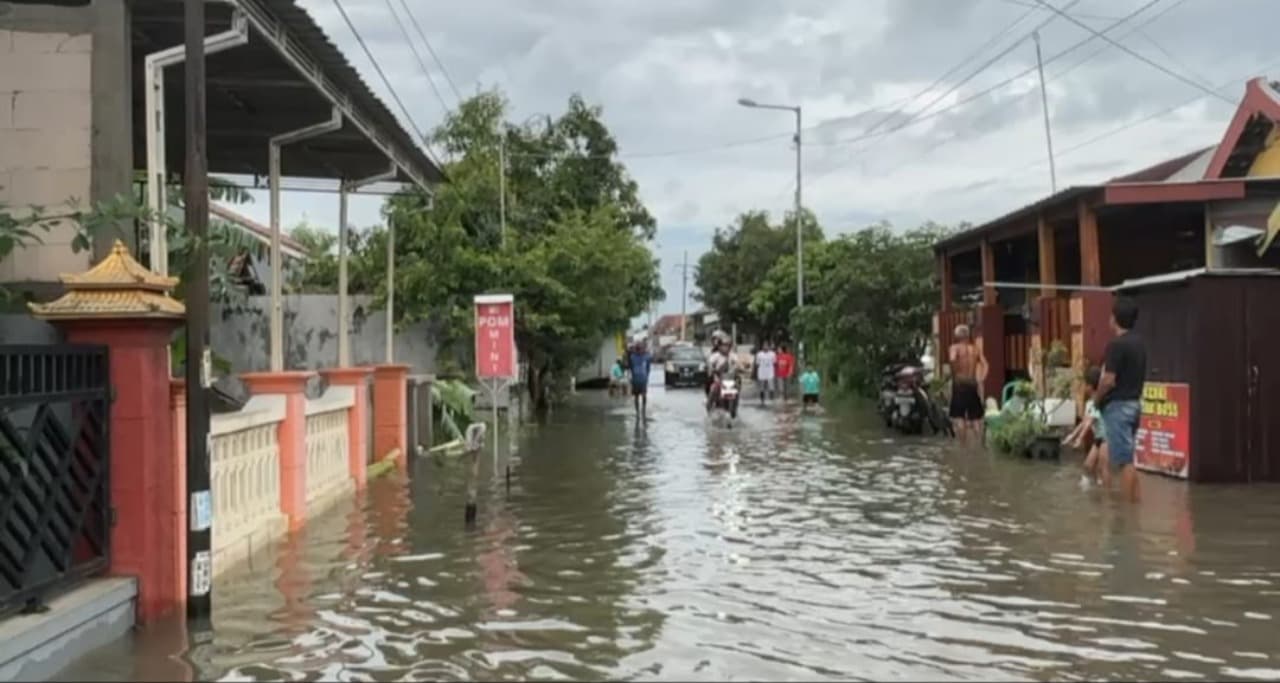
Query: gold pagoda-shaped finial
[{"x": 118, "y": 287}]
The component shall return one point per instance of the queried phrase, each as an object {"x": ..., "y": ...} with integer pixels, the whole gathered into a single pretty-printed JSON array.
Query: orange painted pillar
[
  {"x": 148, "y": 484},
  {"x": 178, "y": 408},
  {"x": 990, "y": 333},
  {"x": 292, "y": 436},
  {"x": 357, "y": 419},
  {"x": 1095, "y": 325},
  {"x": 391, "y": 411}
]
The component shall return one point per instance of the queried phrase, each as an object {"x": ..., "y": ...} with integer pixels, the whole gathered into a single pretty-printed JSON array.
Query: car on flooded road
[{"x": 685, "y": 366}]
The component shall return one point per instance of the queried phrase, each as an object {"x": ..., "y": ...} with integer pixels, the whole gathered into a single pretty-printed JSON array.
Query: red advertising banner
[
  {"x": 495, "y": 336},
  {"x": 1164, "y": 433}
]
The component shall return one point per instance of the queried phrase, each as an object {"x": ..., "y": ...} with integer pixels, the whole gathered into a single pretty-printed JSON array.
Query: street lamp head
[{"x": 747, "y": 102}]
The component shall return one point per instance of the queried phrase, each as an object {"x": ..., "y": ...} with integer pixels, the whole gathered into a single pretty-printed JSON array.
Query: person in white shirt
[{"x": 766, "y": 364}]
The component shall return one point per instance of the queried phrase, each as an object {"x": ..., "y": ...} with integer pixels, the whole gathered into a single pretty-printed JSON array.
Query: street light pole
[
  {"x": 799, "y": 235},
  {"x": 797, "y": 214}
]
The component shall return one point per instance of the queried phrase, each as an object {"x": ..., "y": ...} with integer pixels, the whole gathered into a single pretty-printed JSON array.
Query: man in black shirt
[{"x": 1119, "y": 393}]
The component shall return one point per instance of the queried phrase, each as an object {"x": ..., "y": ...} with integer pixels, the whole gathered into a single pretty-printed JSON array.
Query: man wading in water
[
  {"x": 1119, "y": 395},
  {"x": 968, "y": 369}
]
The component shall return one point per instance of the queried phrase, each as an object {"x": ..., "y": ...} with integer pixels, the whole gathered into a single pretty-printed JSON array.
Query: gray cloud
[{"x": 668, "y": 74}]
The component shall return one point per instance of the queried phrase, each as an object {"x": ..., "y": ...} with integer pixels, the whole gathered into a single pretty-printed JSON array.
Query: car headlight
[
  {"x": 702, "y": 367},
  {"x": 670, "y": 367}
]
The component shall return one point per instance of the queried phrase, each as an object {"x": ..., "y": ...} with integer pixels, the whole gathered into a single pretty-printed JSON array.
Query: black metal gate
[{"x": 55, "y": 503}]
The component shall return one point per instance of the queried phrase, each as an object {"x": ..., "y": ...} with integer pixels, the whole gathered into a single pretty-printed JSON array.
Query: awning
[{"x": 255, "y": 91}]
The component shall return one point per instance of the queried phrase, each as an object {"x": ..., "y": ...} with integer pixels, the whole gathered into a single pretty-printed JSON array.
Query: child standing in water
[
  {"x": 1091, "y": 426},
  {"x": 810, "y": 388}
]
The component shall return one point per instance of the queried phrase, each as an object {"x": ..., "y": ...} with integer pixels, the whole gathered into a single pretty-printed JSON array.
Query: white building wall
[{"x": 46, "y": 119}]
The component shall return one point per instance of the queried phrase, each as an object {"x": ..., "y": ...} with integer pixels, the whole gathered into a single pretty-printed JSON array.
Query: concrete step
[{"x": 36, "y": 647}]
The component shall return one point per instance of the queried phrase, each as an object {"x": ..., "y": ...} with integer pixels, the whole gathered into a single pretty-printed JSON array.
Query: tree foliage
[
  {"x": 871, "y": 301},
  {"x": 869, "y": 295},
  {"x": 574, "y": 250},
  {"x": 740, "y": 256}
]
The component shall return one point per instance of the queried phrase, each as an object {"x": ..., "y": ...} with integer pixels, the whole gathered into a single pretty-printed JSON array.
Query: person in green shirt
[{"x": 810, "y": 387}]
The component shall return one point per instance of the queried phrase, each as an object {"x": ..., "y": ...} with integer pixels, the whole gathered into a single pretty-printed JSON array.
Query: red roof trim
[
  {"x": 1155, "y": 193},
  {"x": 1259, "y": 98}
]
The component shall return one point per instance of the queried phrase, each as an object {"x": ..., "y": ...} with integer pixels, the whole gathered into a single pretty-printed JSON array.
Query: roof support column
[
  {"x": 277, "y": 264},
  {"x": 157, "y": 161},
  {"x": 344, "y": 301},
  {"x": 1090, "y": 256},
  {"x": 945, "y": 280},
  {"x": 391, "y": 286},
  {"x": 1048, "y": 256},
  {"x": 988, "y": 274}
]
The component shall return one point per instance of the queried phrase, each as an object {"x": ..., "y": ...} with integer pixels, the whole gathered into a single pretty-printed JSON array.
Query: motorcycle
[
  {"x": 905, "y": 404},
  {"x": 727, "y": 398}
]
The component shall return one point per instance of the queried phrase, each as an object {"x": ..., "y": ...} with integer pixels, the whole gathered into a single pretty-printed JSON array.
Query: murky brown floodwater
[{"x": 787, "y": 548}]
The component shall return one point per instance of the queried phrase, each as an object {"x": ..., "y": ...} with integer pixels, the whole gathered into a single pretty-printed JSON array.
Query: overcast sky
[{"x": 669, "y": 73}]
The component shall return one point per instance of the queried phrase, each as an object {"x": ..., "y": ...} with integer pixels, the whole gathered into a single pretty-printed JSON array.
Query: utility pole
[
  {"x": 502, "y": 186},
  {"x": 1044, "y": 101},
  {"x": 684, "y": 295},
  {"x": 196, "y": 181}
]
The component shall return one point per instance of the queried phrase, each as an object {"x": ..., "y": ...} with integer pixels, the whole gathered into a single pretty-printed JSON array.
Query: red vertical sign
[
  {"x": 1163, "y": 442},
  {"x": 495, "y": 336}
]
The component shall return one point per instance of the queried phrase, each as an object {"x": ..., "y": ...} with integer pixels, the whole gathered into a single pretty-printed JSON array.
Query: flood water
[{"x": 789, "y": 547}]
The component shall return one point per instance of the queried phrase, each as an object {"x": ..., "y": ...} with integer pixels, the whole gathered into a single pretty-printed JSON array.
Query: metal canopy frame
[{"x": 286, "y": 75}]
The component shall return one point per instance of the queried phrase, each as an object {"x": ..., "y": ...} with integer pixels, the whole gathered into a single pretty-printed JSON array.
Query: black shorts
[
  {"x": 966, "y": 402},
  {"x": 810, "y": 399},
  {"x": 639, "y": 389}
]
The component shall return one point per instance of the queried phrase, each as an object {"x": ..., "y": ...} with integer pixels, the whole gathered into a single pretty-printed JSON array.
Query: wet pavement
[{"x": 790, "y": 547}]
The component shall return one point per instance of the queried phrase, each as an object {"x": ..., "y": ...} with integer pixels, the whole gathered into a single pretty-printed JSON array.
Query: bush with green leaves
[{"x": 1015, "y": 432}]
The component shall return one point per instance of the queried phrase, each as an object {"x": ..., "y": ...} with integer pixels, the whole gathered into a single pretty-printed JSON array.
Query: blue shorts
[{"x": 1120, "y": 422}]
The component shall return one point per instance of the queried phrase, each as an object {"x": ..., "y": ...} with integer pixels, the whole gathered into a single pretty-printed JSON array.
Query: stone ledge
[{"x": 38, "y": 646}]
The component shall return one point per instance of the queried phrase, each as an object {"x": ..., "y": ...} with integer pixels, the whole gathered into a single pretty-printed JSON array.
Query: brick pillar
[
  {"x": 391, "y": 411},
  {"x": 148, "y": 480},
  {"x": 292, "y": 436},
  {"x": 991, "y": 336},
  {"x": 357, "y": 418},
  {"x": 1095, "y": 325},
  {"x": 178, "y": 411}
]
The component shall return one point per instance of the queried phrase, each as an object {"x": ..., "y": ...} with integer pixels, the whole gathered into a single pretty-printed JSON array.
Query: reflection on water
[{"x": 788, "y": 547}]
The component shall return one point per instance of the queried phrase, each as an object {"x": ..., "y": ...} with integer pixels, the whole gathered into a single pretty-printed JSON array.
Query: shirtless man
[{"x": 968, "y": 370}]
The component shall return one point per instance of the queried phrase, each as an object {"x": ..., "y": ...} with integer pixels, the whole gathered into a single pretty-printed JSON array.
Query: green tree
[
  {"x": 574, "y": 252},
  {"x": 870, "y": 300},
  {"x": 741, "y": 255}
]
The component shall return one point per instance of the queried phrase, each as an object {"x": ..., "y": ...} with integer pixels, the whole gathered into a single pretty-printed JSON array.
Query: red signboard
[
  {"x": 1164, "y": 432},
  {"x": 495, "y": 337}
]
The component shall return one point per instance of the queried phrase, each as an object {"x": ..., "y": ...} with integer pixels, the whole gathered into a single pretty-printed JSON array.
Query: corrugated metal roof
[
  {"x": 304, "y": 29},
  {"x": 1184, "y": 275},
  {"x": 1069, "y": 193}
]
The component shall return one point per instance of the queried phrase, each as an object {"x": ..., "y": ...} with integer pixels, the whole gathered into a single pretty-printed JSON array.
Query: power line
[
  {"x": 1129, "y": 125},
  {"x": 1135, "y": 29},
  {"x": 423, "y": 35},
  {"x": 986, "y": 91},
  {"x": 1129, "y": 51},
  {"x": 378, "y": 67},
  {"x": 422, "y": 63},
  {"x": 958, "y": 65}
]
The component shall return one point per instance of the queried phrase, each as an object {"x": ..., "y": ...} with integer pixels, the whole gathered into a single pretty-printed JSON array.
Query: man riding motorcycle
[{"x": 721, "y": 364}]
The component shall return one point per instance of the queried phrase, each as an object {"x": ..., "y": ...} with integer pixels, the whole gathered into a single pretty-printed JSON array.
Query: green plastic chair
[{"x": 1007, "y": 406}]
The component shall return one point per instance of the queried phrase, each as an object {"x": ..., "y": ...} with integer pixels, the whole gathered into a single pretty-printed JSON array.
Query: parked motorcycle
[{"x": 905, "y": 404}]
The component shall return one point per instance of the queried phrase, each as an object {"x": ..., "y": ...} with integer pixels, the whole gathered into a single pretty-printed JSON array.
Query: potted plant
[{"x": 1022, "y": 428}]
